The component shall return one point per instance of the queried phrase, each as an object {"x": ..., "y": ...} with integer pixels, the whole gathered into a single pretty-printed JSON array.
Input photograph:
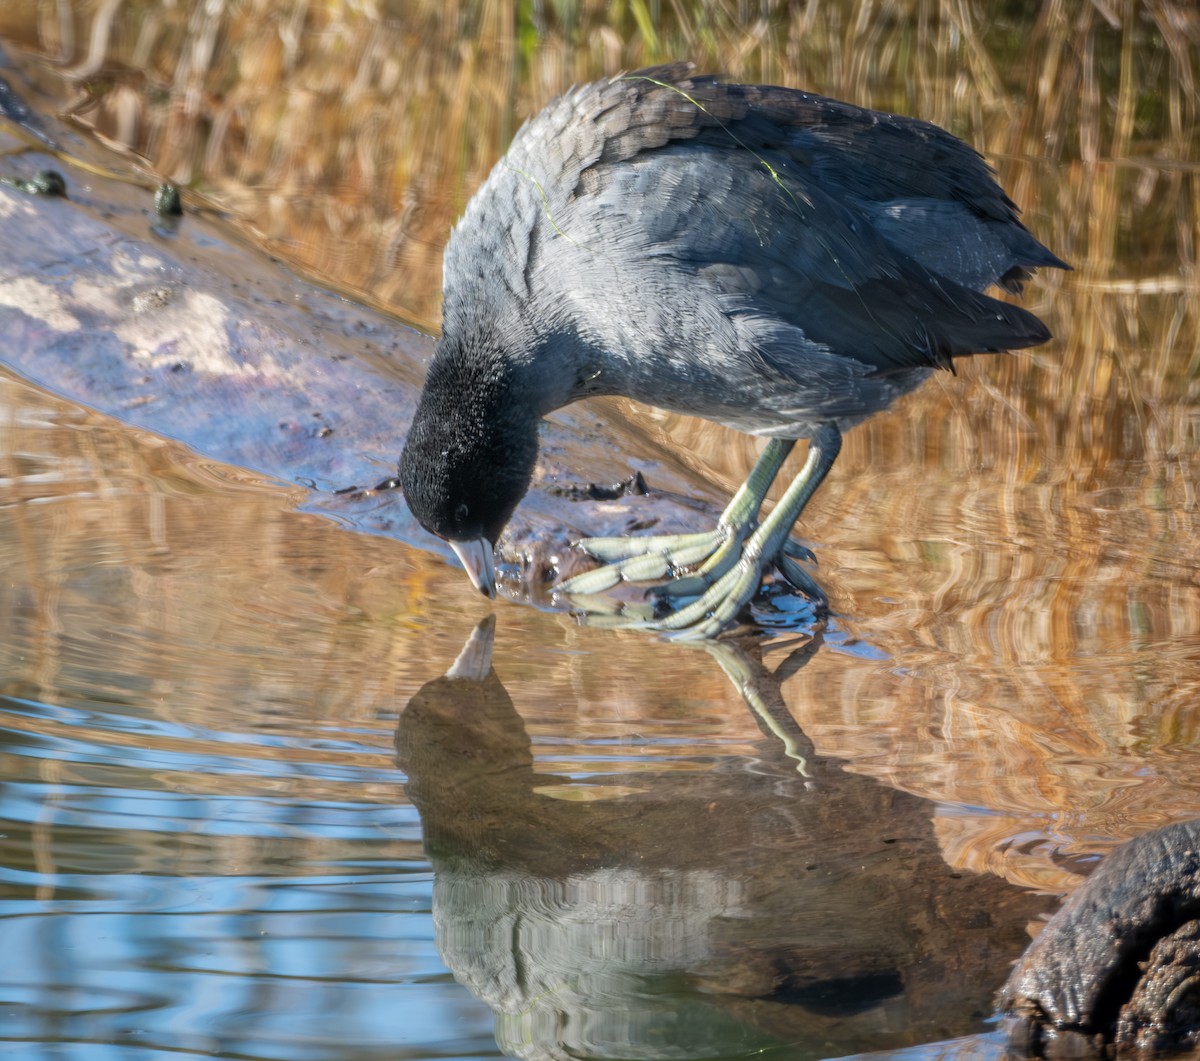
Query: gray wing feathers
[{"x": 817, "y": 231}]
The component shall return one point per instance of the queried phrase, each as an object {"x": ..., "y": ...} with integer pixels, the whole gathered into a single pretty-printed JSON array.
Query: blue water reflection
[{"x": 126, "y": 949}]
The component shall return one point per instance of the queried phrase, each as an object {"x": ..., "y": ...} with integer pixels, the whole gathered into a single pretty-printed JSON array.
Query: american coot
[{"x": 775, "y": 261}]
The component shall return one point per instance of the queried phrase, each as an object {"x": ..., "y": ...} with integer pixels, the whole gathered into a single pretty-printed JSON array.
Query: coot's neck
[{"x": 529, "y": 369}]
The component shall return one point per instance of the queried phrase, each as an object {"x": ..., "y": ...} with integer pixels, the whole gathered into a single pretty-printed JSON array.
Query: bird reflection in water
[{"x": 749, "y": 906}]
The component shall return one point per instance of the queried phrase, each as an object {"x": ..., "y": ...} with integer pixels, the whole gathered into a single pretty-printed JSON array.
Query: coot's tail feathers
[
  {"x": 982, "y": 325},
  {"x": 1011, "y": 328},
  {"x": 907, "y": 324},
  {"x": 1015, "y": 278},
  {"x": 1038, "y": 256}
]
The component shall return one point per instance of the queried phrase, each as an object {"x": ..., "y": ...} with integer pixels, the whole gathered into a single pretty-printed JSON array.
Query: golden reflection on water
[
  {"x": 1020, "y": 541},
  {"x": 139, "y": 574}
]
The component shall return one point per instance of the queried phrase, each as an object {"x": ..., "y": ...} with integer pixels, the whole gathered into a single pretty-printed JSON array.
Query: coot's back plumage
[
  {"x": 763, "y": 257},
  {"x": 681, "y": 234}
]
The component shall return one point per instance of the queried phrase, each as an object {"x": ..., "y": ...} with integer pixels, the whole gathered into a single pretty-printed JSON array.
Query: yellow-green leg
[
  {"x": 723, "y": 600},
  {"x": 644, "y": 559}
]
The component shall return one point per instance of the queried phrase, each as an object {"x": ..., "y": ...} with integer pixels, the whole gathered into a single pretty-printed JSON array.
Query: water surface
[{"x": 244, "y": 812}]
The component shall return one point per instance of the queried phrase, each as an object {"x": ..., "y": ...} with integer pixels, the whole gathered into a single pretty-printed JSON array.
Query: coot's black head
[{"x": 470, "y": 453}]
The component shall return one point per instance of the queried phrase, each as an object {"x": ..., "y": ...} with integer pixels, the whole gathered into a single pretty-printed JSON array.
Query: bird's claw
[
  {"x": 799, "y": 578},
  {"x": 639, "y": 559},
  {"x": 725, "y": 583},
  {"x": 614, "y": 550}
]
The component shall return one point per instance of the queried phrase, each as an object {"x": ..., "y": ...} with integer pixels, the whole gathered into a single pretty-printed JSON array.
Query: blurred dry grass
[
  {"x": 352, "y": 134},
  {"x": 348, "y": 136}
]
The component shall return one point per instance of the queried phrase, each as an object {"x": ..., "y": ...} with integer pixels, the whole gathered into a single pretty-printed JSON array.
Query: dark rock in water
[
  {"x": 44, "y": 182},
  {"x": 167, "y": 202},
  {"x": 1163, "y": 1013}
]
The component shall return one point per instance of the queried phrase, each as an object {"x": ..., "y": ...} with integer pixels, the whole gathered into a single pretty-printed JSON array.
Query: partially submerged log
[{"x": 1117, "y": 969}]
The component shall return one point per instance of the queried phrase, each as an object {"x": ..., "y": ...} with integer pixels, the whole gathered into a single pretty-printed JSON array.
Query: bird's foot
[
  {"x": 720, "y": 604},
  {"x": 732, "y": 558},
  {"x": 727, "y": 580},
  {"x": 722, "y": 560},
  {"x": 644, "y": 559}
]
